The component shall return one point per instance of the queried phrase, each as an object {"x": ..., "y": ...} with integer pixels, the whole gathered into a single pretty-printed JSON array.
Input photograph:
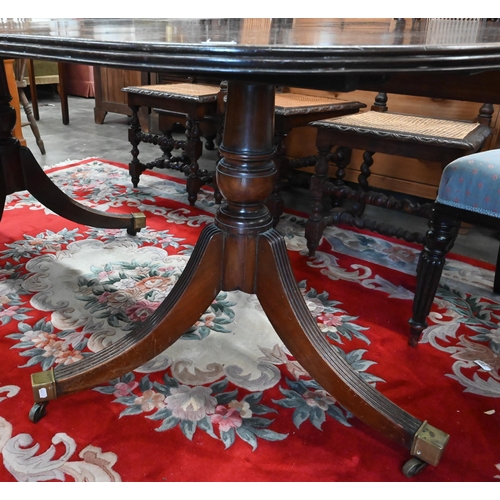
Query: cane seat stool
[
  {"x": 196, "y": 106},
  {"x": 469, "y": 191},
  {"x": 408, "y": 136},
  {"x": 293, "y": 110}
]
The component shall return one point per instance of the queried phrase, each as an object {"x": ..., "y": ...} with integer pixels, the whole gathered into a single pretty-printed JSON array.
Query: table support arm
[
  {"x": 189, "y": 299},
  {"x": 19, "y": 170},
  {"x": 298, "y": 330}
]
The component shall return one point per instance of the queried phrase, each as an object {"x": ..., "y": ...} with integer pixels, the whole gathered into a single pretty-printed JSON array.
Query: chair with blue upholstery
[{"x": 469, "y": 191}]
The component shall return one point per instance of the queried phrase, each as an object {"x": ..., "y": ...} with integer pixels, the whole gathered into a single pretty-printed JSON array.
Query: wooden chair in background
[
  {"x": 200, "y": 109},
  {"x": 379, "y": 131},
  {"x": 19, "y": 72},
  {"x": 194, "y": 105},
  {"x": 23, "y": 66},
  {"x": 294, "y": 110},
  {"x": 44, "y": 73}
]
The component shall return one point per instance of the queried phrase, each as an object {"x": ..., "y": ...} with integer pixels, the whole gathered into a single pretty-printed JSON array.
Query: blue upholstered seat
[{"x": 473, "y": 183}]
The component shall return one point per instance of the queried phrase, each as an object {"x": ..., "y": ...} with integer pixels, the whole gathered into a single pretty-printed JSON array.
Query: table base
[{"x": 241, "y": 251}]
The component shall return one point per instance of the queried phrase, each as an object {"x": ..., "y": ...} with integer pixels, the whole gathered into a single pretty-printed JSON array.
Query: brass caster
[
  {"x": 139, "y": 222},
  {"x": 413, "y": 467},
  {"x": 37, "y": 412}
]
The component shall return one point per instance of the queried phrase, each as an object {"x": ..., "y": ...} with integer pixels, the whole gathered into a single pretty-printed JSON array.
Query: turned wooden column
[{"x": 245, "y": 176}]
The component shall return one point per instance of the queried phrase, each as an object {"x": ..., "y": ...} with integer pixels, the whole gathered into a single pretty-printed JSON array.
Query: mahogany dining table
[{"x": 240, "y": 250}]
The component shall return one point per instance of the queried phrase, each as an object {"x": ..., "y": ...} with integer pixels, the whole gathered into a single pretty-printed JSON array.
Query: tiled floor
[{"x": 83, "y": 138}]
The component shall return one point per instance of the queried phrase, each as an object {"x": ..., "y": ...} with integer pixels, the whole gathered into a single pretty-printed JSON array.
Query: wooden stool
[
  {"x": 468, "y": 191},
  {"x": 197, "y": 107},
  {"x": 294, "y": 110},
  {"x": 427, "y": 139}
]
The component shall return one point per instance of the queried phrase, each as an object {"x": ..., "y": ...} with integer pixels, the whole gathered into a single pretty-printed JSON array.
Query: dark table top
[{"x": 317, "y": 53}]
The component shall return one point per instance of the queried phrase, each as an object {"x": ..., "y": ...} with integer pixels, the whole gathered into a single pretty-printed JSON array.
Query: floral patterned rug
[{"x": 227, "y": 402}]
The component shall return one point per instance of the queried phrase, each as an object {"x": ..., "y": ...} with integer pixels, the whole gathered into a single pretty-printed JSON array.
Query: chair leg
[
  {"x": 443, "y": 230},
  {"x": 194, "y": 148},
  {"x": 134, "y": 167},
  {"x": 210, "y": 142},
  {"x": 496, "y": 282},
  {"x": 33, "y": 91},
  {"x": 342, "y": 158},
  {"x": 316, "y": 222},
  {"x": 365, "y": 170},
  {"x": 61, "y": 88},
  {"x": 29, "y": 114}
]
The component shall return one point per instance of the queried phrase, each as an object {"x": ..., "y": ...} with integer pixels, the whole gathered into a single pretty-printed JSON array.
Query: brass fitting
[
  {"x": 429, "y": 443},
  {"x": 44, "y": 386}
]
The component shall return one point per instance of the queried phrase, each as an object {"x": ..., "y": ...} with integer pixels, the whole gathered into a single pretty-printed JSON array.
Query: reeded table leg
[
  {"x": 47, "y": 193},
  {"x": 188, "y": 300},
  {"x": 19, "y": 170},
  {"x": 245, "y": 177},
  {"x": 299, "y": 332}
]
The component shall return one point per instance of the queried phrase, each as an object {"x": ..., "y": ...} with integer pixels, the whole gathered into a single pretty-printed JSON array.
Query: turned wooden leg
[
  {"x": 191, "y": 296},
  {"x": 365, "y": 171},
  {"x": 167, "y": 148},
  {"x": 31, "y": 118},
  {"x": 33, "y": 90},
  {"x": 242, "y": 251},
  {"x": 61, "y": 89},
  {"x": 342, "y": 157},
  {"x": 194, "y": 148},
  {"x": 135, "y": 167},
  {"x": 316, "y": 222},
  {"x": 443, "y": 230}
]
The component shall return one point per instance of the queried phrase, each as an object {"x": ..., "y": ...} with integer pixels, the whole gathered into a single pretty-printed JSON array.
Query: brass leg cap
[
  {"x": 429, "y": 443},
  {"x": 44, "y": 386}
]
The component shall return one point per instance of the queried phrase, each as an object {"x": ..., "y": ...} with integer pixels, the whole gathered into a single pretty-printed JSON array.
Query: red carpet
[{"x": 226, "y": 402}]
